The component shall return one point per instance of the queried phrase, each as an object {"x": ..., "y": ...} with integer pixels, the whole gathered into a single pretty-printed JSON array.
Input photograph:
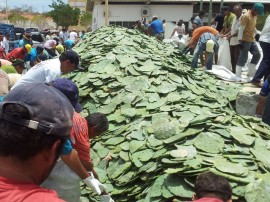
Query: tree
[
  {"x": 63, "y": 14},
  {"x": 86, "y": 19},
  {"x": 40, "y": 21},
  {"x": 18, "y": 19}
]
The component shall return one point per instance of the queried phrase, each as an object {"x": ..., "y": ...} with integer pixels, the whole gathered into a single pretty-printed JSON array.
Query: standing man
[
  {"x": 218, "y": 21},
  {"x": 228, "y": 20},
  {"x": 198, "y": 20},
  {"x": 32, "y": 132},
  {"x": 6, "y": 43},
  {"x": 50, "y": 70},
  {"x": 63, "y": 35},
  {"x": 25, "y": 40},
  {"x": 246, "y": 37},
  {"x": 73, "y": 35},
  {"x": 156, "y": 28},
  {"x": 264, "y": 68},
  {"x": 233, "y": 36}
]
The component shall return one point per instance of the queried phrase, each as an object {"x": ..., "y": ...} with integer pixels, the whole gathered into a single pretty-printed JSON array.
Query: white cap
[{"x": 210, "y": 46}]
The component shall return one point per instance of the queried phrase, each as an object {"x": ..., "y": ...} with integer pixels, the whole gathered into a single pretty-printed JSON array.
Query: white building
[{"x": 125, "y": 13}]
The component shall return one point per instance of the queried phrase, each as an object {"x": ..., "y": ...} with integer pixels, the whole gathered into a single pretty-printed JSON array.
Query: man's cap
[
  {"x": 17, "y": 62},
  {"x": 73, "y": 57},
  {"x": 210, "y": 46},
  {"x": 49, "y": 110},
  {"x": 28, "y": 47},
  {"x": 260, "y": 8},
  {"x": 70, "y": 90}
]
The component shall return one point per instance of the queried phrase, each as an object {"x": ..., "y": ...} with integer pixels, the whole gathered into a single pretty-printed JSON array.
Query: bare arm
[
  {"x": 89, "y": 167},
  {"x": 73, "y": 162}
]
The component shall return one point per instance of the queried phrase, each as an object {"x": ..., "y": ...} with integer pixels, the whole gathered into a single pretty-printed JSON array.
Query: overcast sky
[{"x": 38, "y": 5}]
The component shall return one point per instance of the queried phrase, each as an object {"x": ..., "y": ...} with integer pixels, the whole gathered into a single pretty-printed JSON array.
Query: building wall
[
  {"x": 81, "y": 4},
  {"x": 131, "y": 13}
]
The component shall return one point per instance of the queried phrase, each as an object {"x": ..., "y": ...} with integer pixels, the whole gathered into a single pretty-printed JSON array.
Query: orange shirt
[
  {"x": 199, "y": 31},
  {"x": 17, "y": 53},
  {"x": 79, "y": 137}
]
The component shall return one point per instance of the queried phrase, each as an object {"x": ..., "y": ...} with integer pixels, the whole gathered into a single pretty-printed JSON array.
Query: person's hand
[
  {"x": 106, "y": 198},
  {"x": 94, "y": 184}
]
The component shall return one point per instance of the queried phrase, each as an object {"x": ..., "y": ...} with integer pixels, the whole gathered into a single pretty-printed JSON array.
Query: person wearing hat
[
  {"x": 264, "y": 68},
  {"x": 207, "y": 43},
  {"x": 198, "y": 20},
  {"x": 63, "y": 178},
  {"x": 25, "y": 40},
  {"x": 34, "y": 54},
  {"x": 228, "y": 20},
  {"x": 156, "y": 28},
  {"x": 50, "y": 46},
  {"x": 49, "y": 70},
  {"x": 246, "y": 37},
  {"x": 17, "y": 67},
  {"x": 19, "y": 53},
  {"x": 32, "y": 133}
]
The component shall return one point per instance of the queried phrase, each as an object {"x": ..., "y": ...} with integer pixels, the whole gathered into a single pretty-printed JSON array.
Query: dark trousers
[
  {"x": 234, "y": 56},
  {"x": 51, "y": 52},
  {"x": 264, "y": 68}
]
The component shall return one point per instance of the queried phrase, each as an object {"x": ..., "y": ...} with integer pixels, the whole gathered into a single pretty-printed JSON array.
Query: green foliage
[
  {"x": 261, "y": 21},
  {"x": 17, "y": 19},
  {"x": 39, "y": 21},
  {"x": 63, "y": 14},
  {"x": 86, "y": 18}
]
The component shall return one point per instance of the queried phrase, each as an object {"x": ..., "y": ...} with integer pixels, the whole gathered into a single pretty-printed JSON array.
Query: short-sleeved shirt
[
  {"x": 249, "y": 21},
  {"x": 199, "y": 31},
  {"x": 157, "y": 26},
  {"x": 220, "y": 20},
  {"x": 32, "y": 56},
  {"x": 79, "y": 137},
  {"x": 228, "y": 20},
  {"x": 63, "y": 35},
  {"x": 17, "y": 53},
  {"x": 9, "y": 69},
  {"x": 49, "y": 44},
  {"x": 45, "y": 71},
  {"x": 14, "y": 191},
  {"x": 73, "y": 35}
]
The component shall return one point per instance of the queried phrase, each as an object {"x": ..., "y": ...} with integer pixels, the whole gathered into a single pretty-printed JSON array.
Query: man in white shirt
[
  {"x": 63, "y": 35},
  {"x": 233, "y": 36},
  {"x": 73, "y": 35},
  {"x": 6, "y": 43},
  {"x": 50, "y": 70},
  {"x": 264, "y": 69}
]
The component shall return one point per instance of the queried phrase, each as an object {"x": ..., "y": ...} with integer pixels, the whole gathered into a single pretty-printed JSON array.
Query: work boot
[
  {"x": 238, "y": 72},
  {"x": 251, "y": 70}
]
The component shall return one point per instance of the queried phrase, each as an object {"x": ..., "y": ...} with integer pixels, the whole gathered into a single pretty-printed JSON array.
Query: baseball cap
[
  {"x": 70, "y": 90},
  {"x": 72, "y": 56},
  {"x": 52, "y": 116},
  {"x": 210, "y": 46},
  {"x": 197, "y": 21},
  {"x": 28, "y": 47},
  {"x": 260, "y": 8}
]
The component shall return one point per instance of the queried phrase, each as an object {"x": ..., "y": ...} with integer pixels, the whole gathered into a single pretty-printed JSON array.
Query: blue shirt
[
  {"x": 265, "y": 89},
  {"x": 157, "y": 27},
  {"x": 32, "y": 56},
  {"x": 69, "y": 43},
  {"x": 198, "y": 21},
  {"x": 67, "y": 148}
]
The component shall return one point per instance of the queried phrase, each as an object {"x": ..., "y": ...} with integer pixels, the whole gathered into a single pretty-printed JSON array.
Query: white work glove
[
  {"x": 106, "y": 198},
  {"x": 94, "y": 184}
]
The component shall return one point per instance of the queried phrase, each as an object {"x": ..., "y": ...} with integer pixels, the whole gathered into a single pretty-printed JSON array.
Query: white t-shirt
[
  {"x": 6, "y": 45},
  {"x": 73, "y": 36},
  {"x": 265, "y": 34},
  {"x": 46, "y": 71},
  {"x": 63, "y": 35}
]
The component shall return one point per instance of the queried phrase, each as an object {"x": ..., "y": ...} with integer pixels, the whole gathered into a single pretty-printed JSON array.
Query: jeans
[
  {"x": 246, "y": 47},
  {"x": 264, "y": 68},
  {"x": 197, "y": 52}
]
